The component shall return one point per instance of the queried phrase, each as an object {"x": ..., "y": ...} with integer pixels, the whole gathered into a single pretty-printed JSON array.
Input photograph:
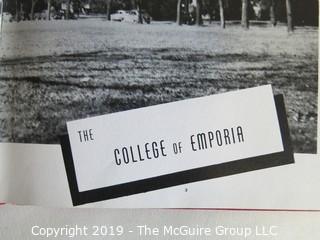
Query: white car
[
  {"x": 134, "y": 16},
  {"x": 120, "y": 15},
  {"x": 130, "y": 16}
]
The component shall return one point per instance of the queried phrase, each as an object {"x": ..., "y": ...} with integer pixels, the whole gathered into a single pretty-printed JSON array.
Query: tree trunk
[
  {"x": 186, "y": 2},
  {"x": 139, "y": 5},
  {"x": 17, "y": 11},
  {"x": 221, "y": 7},
  {"x": 1, "y": 17},
  {"x": 33, "y": 4},
  {"x": 49, "y": 10},
  {"x": 133, "y": 4},
  {"x": 179, "y": 22},
  {"x": 187, "y": 17},
  {"x": 68, "y": 10},
  {"x": 76, "y": 7},
  {"x": 289, "y": 16},
  {"x": 198, "y": 13},
  {"x": 244, "y": 15},
  {"x": 108, "y": 9},
  {"x": 273, "y": 18}
]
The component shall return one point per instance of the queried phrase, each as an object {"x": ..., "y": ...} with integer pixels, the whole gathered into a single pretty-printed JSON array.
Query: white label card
[{"x": 145, "y": 143}]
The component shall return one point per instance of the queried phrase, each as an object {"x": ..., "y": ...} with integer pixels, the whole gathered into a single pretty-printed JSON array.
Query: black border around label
[{"x": 183, "y": 177}]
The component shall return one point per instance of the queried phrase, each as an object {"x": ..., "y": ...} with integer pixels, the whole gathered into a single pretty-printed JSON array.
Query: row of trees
[
  {"x": 291, "y": 11},
  {"x": 244, "y": 11}
]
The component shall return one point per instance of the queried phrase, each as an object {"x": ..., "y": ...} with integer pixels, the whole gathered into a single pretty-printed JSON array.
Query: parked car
[
  {"x": 134, "y": 16},
  {"x": 120, "y": 15},
  {"x": 130, "y": 16}
]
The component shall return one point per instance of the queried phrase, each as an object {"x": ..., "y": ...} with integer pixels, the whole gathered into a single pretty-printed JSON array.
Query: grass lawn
[{"x": 52, "y": 72}]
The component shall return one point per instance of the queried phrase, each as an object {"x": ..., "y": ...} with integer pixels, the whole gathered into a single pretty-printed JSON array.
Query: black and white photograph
[{"x": 63, "y": 60}]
